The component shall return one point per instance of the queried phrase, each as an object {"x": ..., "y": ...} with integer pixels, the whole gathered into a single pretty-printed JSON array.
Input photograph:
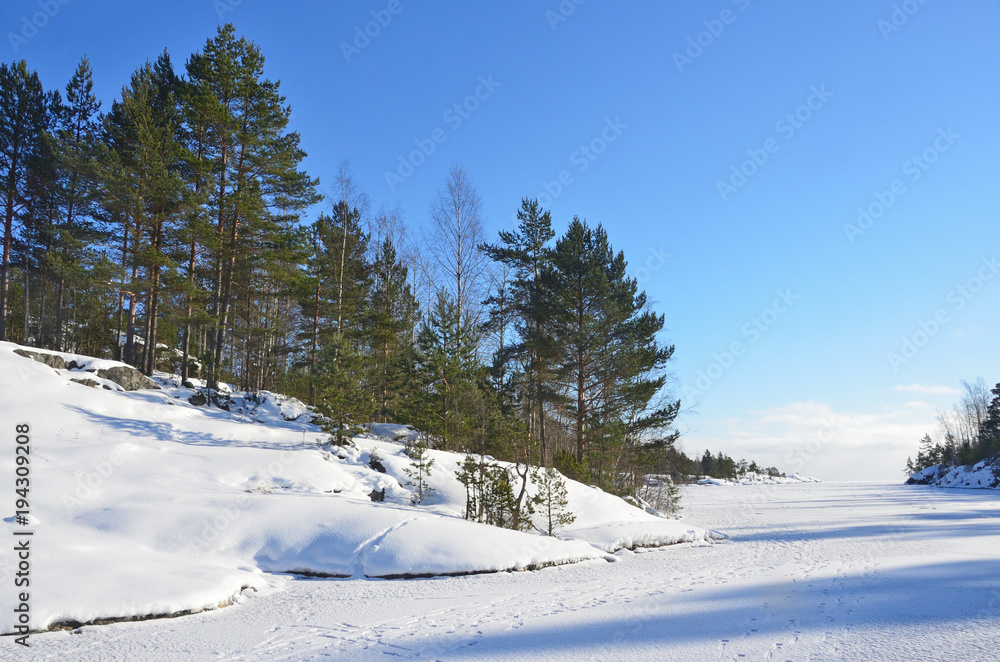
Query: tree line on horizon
[{"x": 969, "y": 433}]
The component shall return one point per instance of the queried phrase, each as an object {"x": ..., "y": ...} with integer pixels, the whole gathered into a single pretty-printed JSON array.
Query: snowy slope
[
  {"x": 982, "y": 475},
  {"x": 143, "y": 504}
]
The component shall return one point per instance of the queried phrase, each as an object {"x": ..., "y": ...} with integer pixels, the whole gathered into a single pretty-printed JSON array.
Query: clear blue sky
[{"x": 813, "y": 387}]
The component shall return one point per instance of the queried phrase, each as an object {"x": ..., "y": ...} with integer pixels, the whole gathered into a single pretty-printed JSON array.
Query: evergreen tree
[
  {"x": 76, "y": 132},
  {"x": 144, "y": 188},
  {"x": 335, "y": 290},
  {"x": 393, "y": 314},
  {"x": 252, "y": 170},
  {"x": 23, "y": 122},
  {"x": 610, "y": 363},
  {"x": 552, "y": 499},
  {"x": 446, "y": 365},
  {"x": 708, "y": 463},
  {"x": 340, "y": 395},
  {"x": 420, "y": 469},
  {"x": 527, "y": 253}
]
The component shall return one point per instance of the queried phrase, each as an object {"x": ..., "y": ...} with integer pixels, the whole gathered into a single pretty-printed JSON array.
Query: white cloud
[
  {"x": 813, "y": 439},
  {"x": 927, "y": 390}
]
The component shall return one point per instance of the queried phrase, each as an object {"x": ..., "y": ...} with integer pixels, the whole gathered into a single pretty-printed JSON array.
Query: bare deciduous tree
[{"x": 456, "y": 231}]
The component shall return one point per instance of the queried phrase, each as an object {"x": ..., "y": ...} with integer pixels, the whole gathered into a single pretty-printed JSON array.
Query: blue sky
[{"x": 649, "y": 112}]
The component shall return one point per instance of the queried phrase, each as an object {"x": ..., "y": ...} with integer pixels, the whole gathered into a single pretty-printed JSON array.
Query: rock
[
  {"x": 128, "y": 378},
  {"x": 198, "y": 399},
  {"x": 377, "y": 495},
  {"x": 374, "y": 461},
  {"x": 188, "y": 384},
  {"x": 73, "y": 365},
  {"x": 50, "y": 360},
  {"x": 87, "y": 382}
]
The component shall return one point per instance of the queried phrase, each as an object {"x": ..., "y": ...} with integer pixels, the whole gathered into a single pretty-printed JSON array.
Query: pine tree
[
  {"x": 470, "y": 476},
  {"x": 420, "y": 469},
  {"x": 446, "y": 365},
  {"x": 75, "y": 136},
  {"x": 708, "y": 463},
  {"x": 526, "y": 252},
  {"x": 393, "y": 314},
  {"x": 553, "y": 500},
  {"x": 611, "y": 365},
  {"x": 340, "y": 396},
  {"x": 23, "y": 122},
  {"x": 252, "y": 165},
  {"x": 335, "y": 290},
  {"x": 144, "y": 189}
]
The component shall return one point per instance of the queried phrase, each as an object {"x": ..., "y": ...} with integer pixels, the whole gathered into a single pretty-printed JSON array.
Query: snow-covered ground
[
  {"x": 812, "y": 572},
  {"x": 139, "y": 503}
]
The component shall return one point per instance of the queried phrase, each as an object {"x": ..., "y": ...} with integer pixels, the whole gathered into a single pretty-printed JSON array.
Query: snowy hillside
[
  {"x": 142, "y": 503},
  {"x": 982, "y": 475}
]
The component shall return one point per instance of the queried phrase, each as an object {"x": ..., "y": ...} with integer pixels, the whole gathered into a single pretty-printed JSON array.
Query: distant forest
[
  {"x": 168, "y": 233},
  {"x": 970, "y": 432}
]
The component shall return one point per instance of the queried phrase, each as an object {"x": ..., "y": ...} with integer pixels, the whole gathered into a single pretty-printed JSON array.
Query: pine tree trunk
[
  {"x": 315, "y": 344},
  {"x": 58, "y": 344},
  {"x": 8, "y": 228},
  {"x": 27, "y": 306},
  {"x": 216, "y": 337}
]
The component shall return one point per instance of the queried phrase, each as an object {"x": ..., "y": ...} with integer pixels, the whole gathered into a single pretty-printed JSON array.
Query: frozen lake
[{"x": 811, "y": 572}]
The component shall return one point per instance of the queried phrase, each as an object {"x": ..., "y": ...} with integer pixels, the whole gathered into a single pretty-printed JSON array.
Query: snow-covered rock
[{"x": 982, "y": 475}]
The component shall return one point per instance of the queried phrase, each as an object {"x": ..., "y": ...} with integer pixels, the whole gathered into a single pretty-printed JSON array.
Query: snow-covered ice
[{"x": 812, "y": 572}]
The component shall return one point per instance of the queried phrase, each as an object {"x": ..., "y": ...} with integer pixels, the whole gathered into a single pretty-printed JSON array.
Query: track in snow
[{"x": 812, "y": 572}]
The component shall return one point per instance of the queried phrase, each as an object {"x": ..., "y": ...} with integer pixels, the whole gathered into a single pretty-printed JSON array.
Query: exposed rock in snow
[
  {"x": 52, "y": 360},
  {"x": 982, "y": 475},
  {"x": 127, "y": 377}
]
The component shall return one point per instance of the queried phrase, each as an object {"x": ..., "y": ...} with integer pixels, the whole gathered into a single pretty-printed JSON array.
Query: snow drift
[{"x": 143, "y": 504}]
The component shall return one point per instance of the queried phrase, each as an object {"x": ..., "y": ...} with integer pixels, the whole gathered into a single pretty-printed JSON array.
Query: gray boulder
[
  {"x": 86, "y": 381},
  {"x": 50, "y": 360},
  {"x": 128, "y": 378}
]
